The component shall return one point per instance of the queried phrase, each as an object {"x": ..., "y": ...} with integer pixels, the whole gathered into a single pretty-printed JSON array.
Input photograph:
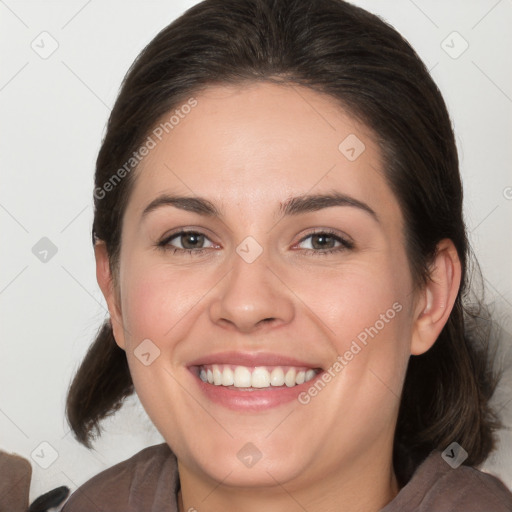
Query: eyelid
[
  {"x": 185, "y": 231},
  {"x": 343, "y": 238}
]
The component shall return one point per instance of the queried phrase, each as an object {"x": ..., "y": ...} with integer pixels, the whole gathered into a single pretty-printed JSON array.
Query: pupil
[
  {"x": 323, "y": 240},
  {"x": 195, "y": 237}
]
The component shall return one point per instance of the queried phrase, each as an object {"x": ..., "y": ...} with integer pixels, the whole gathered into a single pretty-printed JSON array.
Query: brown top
[
  {"x": 15, "y": 476},
  {"x": 148, "y": 482}
]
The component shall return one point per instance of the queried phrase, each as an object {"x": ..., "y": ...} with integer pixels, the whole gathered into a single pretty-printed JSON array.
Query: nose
[{"x": 251, "y": 296}]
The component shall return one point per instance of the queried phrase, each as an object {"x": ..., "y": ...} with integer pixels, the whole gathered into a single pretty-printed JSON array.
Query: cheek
[
  {"x": 155, "y": 300},
  {"x": 352, "y": 299},
  {"x": 365, "y": 312},
  {"x": 157, "y": 305}
]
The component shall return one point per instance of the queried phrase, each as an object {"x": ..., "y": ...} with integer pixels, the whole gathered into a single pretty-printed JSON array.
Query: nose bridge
[{"x": 251, "y": 294}]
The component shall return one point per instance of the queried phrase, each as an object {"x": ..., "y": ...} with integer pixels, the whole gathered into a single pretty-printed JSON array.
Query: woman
[{"x": 279, "y": 238}]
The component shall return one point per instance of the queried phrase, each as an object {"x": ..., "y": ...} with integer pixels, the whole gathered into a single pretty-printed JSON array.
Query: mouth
[
  {"x": 259, "y": 377},
  {"x": 252, "y": 382}
]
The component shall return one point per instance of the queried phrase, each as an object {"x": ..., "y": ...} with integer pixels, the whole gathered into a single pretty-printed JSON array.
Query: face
[{"x": 297, "y": 311}]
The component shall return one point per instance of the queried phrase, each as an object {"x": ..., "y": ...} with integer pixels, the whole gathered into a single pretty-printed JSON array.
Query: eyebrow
[{"x": 292, "y": 206}]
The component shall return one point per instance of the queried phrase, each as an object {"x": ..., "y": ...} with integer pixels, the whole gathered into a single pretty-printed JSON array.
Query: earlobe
[
  {"x": 437, "y": 298},
  {"x": 106, "y": 284}
]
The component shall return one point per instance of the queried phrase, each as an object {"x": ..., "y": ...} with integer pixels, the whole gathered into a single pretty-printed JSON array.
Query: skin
[{"x": 247, "y": 149}]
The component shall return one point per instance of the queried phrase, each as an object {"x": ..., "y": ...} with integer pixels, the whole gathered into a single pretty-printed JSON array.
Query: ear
[
  {"x": 436, "y": 299},
  {"x": 106, "y": 283}
]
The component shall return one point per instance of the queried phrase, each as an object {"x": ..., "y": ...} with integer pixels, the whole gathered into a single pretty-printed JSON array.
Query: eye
[
  {"x": 324, "y": 242},
  {"x": 192, "y": 242},
  {"x": 187, "y": 242}
]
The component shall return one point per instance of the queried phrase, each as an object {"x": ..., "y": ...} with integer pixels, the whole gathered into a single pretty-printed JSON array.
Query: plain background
[{"x": 53, "y": 113}]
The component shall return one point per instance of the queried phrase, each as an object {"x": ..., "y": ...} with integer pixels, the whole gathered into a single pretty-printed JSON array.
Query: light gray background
[{"x": 53, "y": 113}]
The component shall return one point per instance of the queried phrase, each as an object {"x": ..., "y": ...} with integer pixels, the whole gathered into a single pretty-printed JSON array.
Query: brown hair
[{"x": 335, "y": 48}]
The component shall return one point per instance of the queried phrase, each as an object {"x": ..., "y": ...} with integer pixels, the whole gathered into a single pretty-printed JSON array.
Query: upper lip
[{"x": 251, "y": 360}]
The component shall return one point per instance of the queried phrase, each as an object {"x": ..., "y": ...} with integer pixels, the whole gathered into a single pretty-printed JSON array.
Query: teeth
[
  {"x": 309, "y": 375},
  {"x": 217, "y": 375},
  {"x": 258, "y": 377},
  {"x": 242, "y": 377},
  {"x": 228, "y": 379},
  {"x": 289, "y": 378},
  {"x": 277, "y": 377}
]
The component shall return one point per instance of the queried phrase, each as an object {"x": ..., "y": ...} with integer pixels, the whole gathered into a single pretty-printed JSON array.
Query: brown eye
[
  {"x": 186, "y": 241},
  {"x": 192, "y": 240},
  {"x": 325, "y": 242}
]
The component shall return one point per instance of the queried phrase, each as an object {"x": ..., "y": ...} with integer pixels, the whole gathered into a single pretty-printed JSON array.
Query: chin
[{"x": 249, "y": 464}]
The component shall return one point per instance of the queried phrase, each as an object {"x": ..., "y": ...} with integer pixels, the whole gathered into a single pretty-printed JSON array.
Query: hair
[{"x": 360, "y": 61}]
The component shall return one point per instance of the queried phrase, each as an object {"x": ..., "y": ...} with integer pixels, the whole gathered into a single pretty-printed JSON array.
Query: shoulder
[
  {"x": 128, "y": 485},
  {"x": 473, "y": 490},
  {"x": 437, "y": 487}
]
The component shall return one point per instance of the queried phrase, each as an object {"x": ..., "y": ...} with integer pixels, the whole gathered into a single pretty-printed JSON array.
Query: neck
[{"x": 364, "y": 486}]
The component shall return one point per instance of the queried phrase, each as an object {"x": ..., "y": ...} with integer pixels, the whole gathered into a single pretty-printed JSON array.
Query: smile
[
  {"x": 253, "y": 382},
  {"x": 259, "y": 377}
]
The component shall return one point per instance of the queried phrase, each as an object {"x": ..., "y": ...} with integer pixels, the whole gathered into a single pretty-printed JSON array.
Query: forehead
[{"x": 257, "y": 143}]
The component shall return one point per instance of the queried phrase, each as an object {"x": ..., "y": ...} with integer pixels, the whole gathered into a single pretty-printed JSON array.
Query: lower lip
[{"x": 254, "y": 399}]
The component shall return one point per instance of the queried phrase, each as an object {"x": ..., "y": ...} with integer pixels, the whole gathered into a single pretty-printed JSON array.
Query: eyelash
[{"x": 345, "y": 244}]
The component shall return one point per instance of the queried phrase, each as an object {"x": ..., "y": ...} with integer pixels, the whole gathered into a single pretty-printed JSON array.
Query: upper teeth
[{"x": 258, "y": 377}]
